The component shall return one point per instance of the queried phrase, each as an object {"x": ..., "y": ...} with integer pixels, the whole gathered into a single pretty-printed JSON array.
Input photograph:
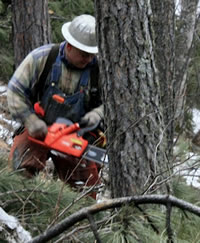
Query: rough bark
[
  {"x": 31, "y": 26},
  {"x": 163, "y": 20},
  {"x": 133, "y": 110}
]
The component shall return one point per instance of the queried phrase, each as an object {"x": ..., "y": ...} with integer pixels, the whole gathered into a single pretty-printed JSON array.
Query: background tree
[
  {"x": 186, "y": 29},
  {"x": 163, "y": 24},
  {"x": 31, "y": 26}
]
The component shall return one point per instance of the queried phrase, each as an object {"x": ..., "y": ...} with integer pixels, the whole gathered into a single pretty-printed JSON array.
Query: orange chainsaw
[{"x": 67, "y": 138}]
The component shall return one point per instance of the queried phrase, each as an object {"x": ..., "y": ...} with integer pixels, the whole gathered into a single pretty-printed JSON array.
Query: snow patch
[
  {"x": 196, "y": 120},
  {"x": 3, "y": 89},
  {"x": 12, "y": 223}
]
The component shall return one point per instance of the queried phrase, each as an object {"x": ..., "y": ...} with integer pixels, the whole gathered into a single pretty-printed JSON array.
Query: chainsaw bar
[{"x": 96, "y": 154}]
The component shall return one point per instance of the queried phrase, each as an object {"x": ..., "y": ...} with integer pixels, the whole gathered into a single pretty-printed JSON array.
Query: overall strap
[
  {"x": 50, "y": 60},
  {"x": 95, "y": 76},
  {"x": 95, "y": 87}
]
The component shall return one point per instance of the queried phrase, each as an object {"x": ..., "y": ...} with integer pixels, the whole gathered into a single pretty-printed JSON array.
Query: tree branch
[
  {"x": 93, "y": 227},
  {"x": 168, "y": 223},
  {"x": 113, "y": 203}
]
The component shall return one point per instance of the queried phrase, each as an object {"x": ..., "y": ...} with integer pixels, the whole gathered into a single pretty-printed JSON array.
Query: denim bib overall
[{"x": 72, "y": 106}]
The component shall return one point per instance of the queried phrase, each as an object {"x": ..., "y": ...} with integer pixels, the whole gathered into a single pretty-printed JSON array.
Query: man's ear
[{"x": 69, "y": 47}]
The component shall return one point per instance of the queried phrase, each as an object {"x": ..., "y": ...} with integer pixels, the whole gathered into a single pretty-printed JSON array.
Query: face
[{"x": 78, "y": 58}]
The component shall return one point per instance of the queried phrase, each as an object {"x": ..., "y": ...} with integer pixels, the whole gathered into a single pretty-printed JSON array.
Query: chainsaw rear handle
[
  {"x": 38, "y": 109},
  {"x": 82, "y": 131}
]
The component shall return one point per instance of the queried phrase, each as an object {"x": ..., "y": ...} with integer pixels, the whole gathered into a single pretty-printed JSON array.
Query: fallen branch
[{"x": 113, "y": 203}]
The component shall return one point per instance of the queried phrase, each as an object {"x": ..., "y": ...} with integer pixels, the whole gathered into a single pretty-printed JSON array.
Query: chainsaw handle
[
  {"x": 82, "y": 131},
  {"x": 38, "y": 109}
]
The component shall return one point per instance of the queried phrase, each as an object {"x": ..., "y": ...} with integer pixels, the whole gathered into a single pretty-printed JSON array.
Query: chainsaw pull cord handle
[{"x": 82, "y": 131}]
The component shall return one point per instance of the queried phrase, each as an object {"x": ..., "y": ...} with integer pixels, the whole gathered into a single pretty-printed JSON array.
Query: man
[{"x": 72, "y": 75}]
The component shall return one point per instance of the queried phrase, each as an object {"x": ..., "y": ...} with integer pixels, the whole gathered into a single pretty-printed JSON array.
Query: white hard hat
[{"x": 80, "y": 33}]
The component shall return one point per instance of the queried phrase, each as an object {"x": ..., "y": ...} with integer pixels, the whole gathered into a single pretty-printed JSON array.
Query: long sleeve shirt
[{"x": 24, "y": 79}]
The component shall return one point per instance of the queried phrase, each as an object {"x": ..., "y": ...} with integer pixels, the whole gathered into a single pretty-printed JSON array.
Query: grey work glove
[
  {"x": 36, "y": 127},
  {"x": 91, "y": 118}
]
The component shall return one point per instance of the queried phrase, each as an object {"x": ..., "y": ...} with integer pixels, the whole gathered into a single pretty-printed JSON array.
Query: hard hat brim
[{"x": 73, "y": 42}]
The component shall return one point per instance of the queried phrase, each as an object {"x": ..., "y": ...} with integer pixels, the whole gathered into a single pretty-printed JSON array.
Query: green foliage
[
  {"x": 6, "y": 50},
  {"x": 131, "y": 226},
  {"x": 4, "y": 6},
  {"x": 36, "y": 202},
  {"x": 6, "y": 63},
  {"x": 181, "y": 148},
  {"x": 60, "y": 12},
  {"x": 1, "y": 7}
]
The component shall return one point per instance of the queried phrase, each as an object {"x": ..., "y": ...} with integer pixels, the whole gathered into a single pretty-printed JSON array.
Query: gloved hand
[
  {"x": 36, "y": 127},
  {"x": 91, "y": 118}
]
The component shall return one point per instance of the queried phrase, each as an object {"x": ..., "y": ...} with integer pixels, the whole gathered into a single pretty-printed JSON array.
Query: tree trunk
[
  {"x": 133, "y": 108},
  {"x": 163, "y": 23},
  {"x": 186, "y": 24},
  {"x": 31, "y": 26}
]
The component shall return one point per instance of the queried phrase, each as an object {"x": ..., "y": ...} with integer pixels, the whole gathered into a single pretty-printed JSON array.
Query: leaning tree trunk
[
  {"x": 133, "y": 108},
  {"x": 163, "y": 20},
  {"x": 31, "y": 26},
  {"x": 186, "y": 24}
]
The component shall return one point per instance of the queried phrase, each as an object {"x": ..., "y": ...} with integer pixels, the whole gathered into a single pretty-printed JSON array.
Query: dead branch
[
  {"x": 83, "y": 194},
  {"x": 93, "y": 227},
  {"x": 113, "y": 203},
  {"x": 168, "y": 223},
  {"x": 83, "y": 227}
]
